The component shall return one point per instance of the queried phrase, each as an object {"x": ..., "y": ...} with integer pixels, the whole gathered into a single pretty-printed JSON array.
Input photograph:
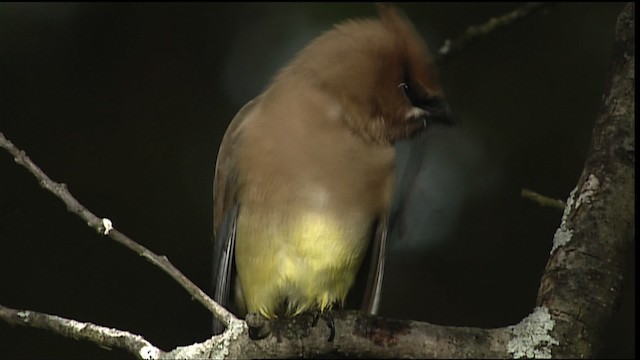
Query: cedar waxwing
[{"x": 305, "y": 172}]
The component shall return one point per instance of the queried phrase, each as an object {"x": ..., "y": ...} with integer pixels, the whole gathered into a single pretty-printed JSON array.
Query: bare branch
[
  {"x": 359, "y": 335},
  {"x": 356, "y": 334},
  {"x": 217, "y": 347},
  {"x": 473, "y": 33},
  {"x": 100, "y": 335},
  {"x": 543, "y": 200},
  {"x": 105, "y": 227}
]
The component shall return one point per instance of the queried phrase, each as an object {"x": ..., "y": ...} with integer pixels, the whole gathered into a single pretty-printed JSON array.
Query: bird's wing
[
  {"x": 409, "y": 157},
  {"x": 225, "y": 210},
  {"x": 373, "y": 290}
]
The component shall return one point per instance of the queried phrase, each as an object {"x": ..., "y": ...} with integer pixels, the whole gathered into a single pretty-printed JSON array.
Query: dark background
[{"x": 127, "y": 104}]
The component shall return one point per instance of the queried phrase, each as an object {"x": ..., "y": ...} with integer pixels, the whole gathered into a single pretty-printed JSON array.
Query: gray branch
[
  {"x": 101, "y": 335},
  {"x": 473, "y": 33},
  {"x": 105, "y": 227}
]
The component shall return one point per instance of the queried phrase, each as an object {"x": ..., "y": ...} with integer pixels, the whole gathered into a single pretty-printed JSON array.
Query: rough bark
[{"x": 583, "y": 278}]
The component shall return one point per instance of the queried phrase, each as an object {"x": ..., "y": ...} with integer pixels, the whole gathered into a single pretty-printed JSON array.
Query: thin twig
[
  {"x": 473, "y": 33},
  {"x": 104, "y": 227},
  {"x": 543, "y": 200},
  {"x": 100, "y": 335}
]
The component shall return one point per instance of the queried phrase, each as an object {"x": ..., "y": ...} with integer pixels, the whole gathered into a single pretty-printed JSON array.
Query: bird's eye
[
  {"x": 435, "y": 108},
  {"x": 416, "y": 95}
]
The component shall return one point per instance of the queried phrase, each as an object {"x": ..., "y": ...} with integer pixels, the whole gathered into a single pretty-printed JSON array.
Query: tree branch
[
  {"x": 356, "y": 335},
  {"x": 543, "y": 200},
  {"x": 100, "y": 335},
  {"x": 473, "y": 33},
  {"x": 105, "y": 227},
  {"x": 581, "y": 283}
]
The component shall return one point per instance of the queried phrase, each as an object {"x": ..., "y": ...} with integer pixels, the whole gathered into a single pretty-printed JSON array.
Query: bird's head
[{"x": 381, "y": 72}]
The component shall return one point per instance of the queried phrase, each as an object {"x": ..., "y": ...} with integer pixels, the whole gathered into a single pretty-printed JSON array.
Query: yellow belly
[{"x": 291, "y": 263}]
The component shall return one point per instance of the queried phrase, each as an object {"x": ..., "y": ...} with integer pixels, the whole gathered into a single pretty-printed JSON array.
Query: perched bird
[{"x": 305, "y": 172}]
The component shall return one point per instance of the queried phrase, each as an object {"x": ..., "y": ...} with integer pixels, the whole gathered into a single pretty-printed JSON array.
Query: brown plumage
[{"x": 305, "y": 172}]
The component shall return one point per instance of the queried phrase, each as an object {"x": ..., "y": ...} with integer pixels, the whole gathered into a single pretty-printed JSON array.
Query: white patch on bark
[
  {"x": 530, "y": 337},
  {"x": 216, "y": 347},
  {"x": 589, "y": 189},
  {"x": 563, "y": 234}
]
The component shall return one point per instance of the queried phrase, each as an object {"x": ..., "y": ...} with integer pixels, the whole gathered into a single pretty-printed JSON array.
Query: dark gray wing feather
[
  {"x": 223, "y": 263},
  {"x": 225, "y": 211},
  {"x": 373, "y": 290}
]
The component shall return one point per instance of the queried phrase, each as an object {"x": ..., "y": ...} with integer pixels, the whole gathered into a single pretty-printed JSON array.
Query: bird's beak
[
  {"x": 439, "y": 113},
  {"x": 435, "y": 112}
]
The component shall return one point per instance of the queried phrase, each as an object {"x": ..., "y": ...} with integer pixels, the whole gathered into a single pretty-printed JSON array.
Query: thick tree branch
[
  {"x": 356, "y": 335},
  {"x": 582, "y": 280}
]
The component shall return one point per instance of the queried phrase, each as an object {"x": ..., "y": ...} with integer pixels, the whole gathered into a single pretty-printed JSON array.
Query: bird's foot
[
  {"x": 259, "y": 327},
  {"x": 327, "y": 316}
]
